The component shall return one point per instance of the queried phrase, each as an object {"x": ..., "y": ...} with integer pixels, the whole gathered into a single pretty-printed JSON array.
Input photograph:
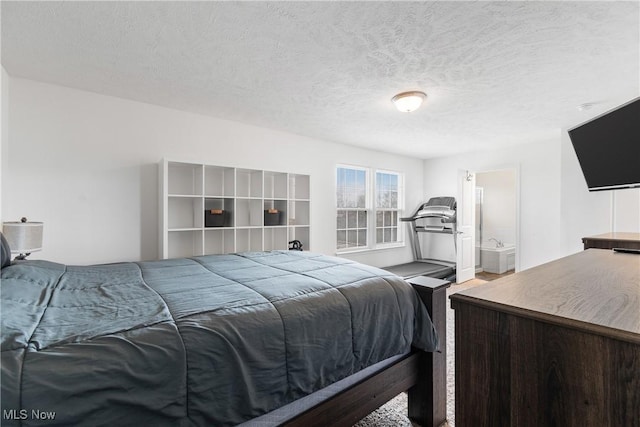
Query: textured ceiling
[{"x": 496, "y": 73}]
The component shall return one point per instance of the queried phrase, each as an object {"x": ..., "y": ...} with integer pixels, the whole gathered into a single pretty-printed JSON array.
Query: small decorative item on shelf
[
  {"x": 295, "y": 245},
  {"x": 272, "y": 217},
  {"x": 214, "y": 218}
]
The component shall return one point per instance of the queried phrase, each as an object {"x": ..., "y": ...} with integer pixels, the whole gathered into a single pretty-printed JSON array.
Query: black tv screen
[{"x": 608, "y": 148}]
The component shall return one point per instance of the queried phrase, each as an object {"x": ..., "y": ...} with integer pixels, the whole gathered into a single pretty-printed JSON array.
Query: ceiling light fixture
[{"x": 409, "y": 101}]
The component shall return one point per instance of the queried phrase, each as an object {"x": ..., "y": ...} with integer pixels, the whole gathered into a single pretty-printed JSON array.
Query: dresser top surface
[
  {"x": 595, "y": 290},
  {"x": 619, "y": 235}
]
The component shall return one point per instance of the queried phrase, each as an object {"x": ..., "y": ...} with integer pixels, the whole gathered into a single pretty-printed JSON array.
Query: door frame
[
  {"x": 465, "y": 256},
  {"x": 517, "y": 171}
]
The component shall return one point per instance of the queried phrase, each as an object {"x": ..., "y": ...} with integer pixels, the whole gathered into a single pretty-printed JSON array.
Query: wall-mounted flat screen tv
[{"x": 608, "y": 148}]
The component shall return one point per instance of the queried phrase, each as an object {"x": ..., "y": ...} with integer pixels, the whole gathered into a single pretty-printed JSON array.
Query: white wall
[
  {"x": 587, "y": 213},
  {"x": 537, "y": 168},
  {"x": 499, "y": 205},
  {"x": 626, "y": 210},
  {"x": 4, "y": 124},
  {"x": 87, "y": 166},
  {"x": 555, "y": 208}
]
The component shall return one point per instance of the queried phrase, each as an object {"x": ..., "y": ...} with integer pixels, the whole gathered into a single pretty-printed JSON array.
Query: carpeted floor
[{"x": 394, "y": 412}]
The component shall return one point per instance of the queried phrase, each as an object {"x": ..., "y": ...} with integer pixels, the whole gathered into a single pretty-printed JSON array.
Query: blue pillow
[{"x": 6, "y": 252}]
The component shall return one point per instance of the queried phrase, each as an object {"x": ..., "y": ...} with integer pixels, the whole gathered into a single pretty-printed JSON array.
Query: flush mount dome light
[
  {"x": 409, "y": 101},
  {"x": 585, "y": 107}
]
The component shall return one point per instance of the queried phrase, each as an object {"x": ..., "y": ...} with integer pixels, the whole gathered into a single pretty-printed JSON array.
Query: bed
[{"x": 215, "y": 341}]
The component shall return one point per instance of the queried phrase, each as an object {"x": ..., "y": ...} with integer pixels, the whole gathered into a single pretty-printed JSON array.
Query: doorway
[{"x": 496, "y": 222}]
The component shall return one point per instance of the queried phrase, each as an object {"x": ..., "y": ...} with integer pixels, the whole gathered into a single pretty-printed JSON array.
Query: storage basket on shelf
[
  {"x": 272, "y": 217},
  {"x": 215, "y": 217}
]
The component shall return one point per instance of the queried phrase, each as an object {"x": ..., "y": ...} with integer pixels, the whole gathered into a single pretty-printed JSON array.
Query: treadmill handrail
[
  {"x": 428, "y": 215},
  {"x": 443, "y": 230}
]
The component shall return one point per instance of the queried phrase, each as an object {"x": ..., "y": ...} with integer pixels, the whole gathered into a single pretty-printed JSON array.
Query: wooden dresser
[
  {"x": 555, "y": 345},
  {"x": 612, "y": 240}
]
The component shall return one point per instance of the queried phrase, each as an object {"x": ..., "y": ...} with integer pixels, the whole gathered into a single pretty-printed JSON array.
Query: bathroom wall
[{"x": 499, "y": 205}]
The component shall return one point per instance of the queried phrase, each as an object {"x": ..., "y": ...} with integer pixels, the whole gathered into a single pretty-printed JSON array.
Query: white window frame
[
  {"x": 366, "y": 208},
  {"x": 399, "y": 210},
  {"x": 371, "y": 209}
]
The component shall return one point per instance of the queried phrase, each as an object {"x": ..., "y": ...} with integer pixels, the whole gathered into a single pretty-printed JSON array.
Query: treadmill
[{"x": 438, "y": 215}]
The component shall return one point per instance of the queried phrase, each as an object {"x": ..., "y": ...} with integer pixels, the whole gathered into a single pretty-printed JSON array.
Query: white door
[{"x": 465, "y": 259}]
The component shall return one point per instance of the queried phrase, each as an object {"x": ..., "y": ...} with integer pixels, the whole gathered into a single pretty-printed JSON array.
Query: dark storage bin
[
  {"x": 271, "y": 217},
  {"x": 215, "y": 218}
]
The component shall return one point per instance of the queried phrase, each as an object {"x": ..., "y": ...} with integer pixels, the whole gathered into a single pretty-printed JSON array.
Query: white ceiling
[{"x": 496, "y": 73}]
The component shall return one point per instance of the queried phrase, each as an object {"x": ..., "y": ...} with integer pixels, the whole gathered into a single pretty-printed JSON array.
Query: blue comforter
[{"x": 207, "y": 341}]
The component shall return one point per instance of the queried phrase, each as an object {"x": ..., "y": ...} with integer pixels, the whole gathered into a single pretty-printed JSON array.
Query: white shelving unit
[{"x": 188, "y": 190}]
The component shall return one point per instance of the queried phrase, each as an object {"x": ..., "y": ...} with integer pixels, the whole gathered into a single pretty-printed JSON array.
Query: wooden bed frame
[{"x": 421, "y": 374}]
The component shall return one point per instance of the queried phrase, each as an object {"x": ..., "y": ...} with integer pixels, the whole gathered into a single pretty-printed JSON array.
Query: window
[
  {"x": 387, "y": 190},
  {"x": 351, "y": 192},
  {"x": 368, "y": 209}
]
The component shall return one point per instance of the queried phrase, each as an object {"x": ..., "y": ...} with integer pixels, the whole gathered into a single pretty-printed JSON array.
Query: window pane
[
  {"x": 350, "y": 199},
  {"x": 351, "y": 187},
  {"x": 386, "y": 190},
  {"x": 361, "y": 179},
  {"x": 351, "y": 178},
  {"x": 352, "y": 219},
  {"x": 342, "y": 219},
  {"x": 393, "y": 199},
  {"x": 379, "y": 190},
  {"x": 362, "y": 219},
  {"x": 387, "y": 219},
  {"x": 382, "y": 200},
  {"x": 394, "y": 234},
  {"x": 379, "y": 235},
  {"x": 379, "y": 219},
  {"x": 362, "y": 237},
  {"x": 387, "y": 234},
  {"x": 340, "y": 187},
  {"x": 361, "y": 201},
  {"x": 342, "y": 239},
  {"x": 352, "y": 238}
]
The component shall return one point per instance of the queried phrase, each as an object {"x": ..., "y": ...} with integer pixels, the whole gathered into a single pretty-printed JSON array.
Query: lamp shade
[{"x": 23, "y": 237}]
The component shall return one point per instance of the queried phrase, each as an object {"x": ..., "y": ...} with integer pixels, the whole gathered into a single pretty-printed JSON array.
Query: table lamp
[{"x": 23, "y": 237}]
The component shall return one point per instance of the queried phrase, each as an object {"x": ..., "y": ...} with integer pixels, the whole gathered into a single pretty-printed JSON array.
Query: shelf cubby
[
  {"x": 183, "y": 212},
  {"x": 299, "y": 187},
  {"x": 225, "y": 204},
  {"x": 218, "y": 241},
  {"x": 248, "y": 239},
  {"x": 219, "y": 181},
  {"x": 275, "y": 185},
  {"x": 183, "y": 244},
  {"x": 275, "y": 238},
  {"x": 186, "y": 179},
  {"x": 248, "y": 213},
  {"x": 189, "y": 190},
  {"x": 248, "y": 183},
  {"x": 300, "y": 233},
  {"x": 298, "y": 213},
  {"x": 281, "y": 206}
]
